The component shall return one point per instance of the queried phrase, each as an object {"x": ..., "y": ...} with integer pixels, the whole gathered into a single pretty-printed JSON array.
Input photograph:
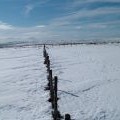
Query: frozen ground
[
  {"x": 89, "y": 82},
  {"x": 22, "y": 81}
]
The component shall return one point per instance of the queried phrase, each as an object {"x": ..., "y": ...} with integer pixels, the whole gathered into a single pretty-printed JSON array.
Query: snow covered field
[
  {"x": 91, "y": 76},
  {"x": 89, "y": 82},
  {"x": 22, "y": 81}
]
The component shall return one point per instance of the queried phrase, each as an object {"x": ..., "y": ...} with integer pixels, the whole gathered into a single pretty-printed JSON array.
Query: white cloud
[
  {"x": 36, "y": 33},
  {"x": 28, "y": 8},
  {"x": 91, "y": 26},
  {"x": 5, "y": 26},
  {"x": 71, "y": 22},
  {"x": 41, "y": 26},
  {"x": 67, "y": 27},
  {"x": 96, "y": 26},
  {"x": 78, "y": 2},
  {"x": 78, "y": 27},
  {"x": 87, "y": 13},
  {"x": 102, "y": 0}
]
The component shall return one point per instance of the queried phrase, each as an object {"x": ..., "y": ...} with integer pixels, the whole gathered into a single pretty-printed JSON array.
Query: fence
[{"x": 52, "y": 86}]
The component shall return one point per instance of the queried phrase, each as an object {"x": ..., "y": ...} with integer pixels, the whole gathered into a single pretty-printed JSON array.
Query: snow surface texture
[
  {"x": 22, "y": 81},
  {"x": 89, "y": 82}
]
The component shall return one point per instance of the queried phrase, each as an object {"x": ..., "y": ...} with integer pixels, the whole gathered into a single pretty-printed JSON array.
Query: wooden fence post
[
  {"x": 48, "y": 65},
  {"x": 44, "y": 52},
  {"x": 46, "y": 59},
  {"x": 44, "y": 46},
  {"x": 55, "y": 93},
  {"x": 48, "y": 85},
  {"x": 51, "y": 88},
  {"x": 67, "y": 117},
  {"x": 56, "y": 113}
]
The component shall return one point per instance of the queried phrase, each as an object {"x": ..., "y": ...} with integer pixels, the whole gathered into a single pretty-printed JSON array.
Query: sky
[{"x": 67, "y": 20}]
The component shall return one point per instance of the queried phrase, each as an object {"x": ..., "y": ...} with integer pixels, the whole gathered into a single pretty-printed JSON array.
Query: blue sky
[{"x": 36, "y": 20}]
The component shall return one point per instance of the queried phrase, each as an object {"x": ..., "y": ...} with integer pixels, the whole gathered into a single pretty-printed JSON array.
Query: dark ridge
[{"x": 25, "y": 44}]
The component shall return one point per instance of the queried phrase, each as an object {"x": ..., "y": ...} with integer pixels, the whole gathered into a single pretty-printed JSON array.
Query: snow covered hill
[{"x": 89, "y": 82}]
